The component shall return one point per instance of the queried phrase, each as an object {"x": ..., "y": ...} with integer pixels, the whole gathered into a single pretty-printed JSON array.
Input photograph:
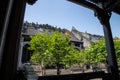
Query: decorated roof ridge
[{"x": 70, "y": 34}]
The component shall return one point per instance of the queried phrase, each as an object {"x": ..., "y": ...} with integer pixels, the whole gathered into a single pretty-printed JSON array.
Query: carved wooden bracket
[{"x": 31, "y": 2}]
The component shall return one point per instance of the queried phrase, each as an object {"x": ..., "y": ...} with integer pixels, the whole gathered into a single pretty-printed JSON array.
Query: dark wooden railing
[{"x": 79, "y": 76}]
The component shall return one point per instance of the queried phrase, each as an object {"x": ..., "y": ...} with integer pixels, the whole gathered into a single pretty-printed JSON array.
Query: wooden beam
[
  {"x": 79, "y": 76},
  {"x": 85, "y": 4}
]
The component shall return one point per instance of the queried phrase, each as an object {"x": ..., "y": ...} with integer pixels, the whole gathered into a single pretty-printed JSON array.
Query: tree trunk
[
  {"x": 83, "y": 67},
  {"x": 58, "y": 68},
  {"x": 43, "y": 68}
]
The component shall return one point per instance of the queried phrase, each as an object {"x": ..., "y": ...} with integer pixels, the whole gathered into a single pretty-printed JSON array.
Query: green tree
[
  {"x": 97, "y": 52},
  {"x": 117, "y": 49},
  {"x": 39, "y": 44},
  {"x": 82, "y": 59},
  {"x": 71, "y": 57},
  {"x": 60, "y": 48},
  {"x": 51, "y": 48}
]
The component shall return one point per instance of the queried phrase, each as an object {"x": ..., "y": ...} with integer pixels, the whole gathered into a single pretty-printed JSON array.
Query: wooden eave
[{"x": 89, "y": 5}]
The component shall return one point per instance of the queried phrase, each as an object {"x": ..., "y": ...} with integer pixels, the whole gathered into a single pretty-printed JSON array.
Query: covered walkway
[{"x": 11, "y": 19}]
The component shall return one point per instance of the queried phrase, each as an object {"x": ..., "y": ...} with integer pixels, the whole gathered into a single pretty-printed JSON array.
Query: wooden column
[
  {"x": 3, "y": 11},
  {"x": 11, "y": 38},
  {"x": 104, "y": 17},
  {"x": 112, "y": 60}
]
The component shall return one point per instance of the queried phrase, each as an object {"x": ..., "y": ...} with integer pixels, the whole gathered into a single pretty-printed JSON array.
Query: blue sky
[{"x": 64, "y": 14}]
